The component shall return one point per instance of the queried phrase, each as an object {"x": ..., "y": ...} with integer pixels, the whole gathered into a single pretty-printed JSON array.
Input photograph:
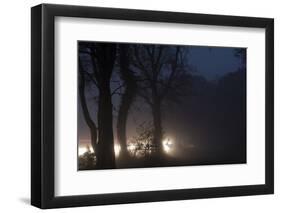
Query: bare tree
[
  {"x": 102, "y": 57},
  {"x": 127, "y": 98},
  {"x": 160, "y": 70},
  {"x": 91, "y": 124}
]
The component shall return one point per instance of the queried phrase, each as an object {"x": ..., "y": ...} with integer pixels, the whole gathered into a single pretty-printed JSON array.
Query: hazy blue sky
[{"x": 213, "y": 62}]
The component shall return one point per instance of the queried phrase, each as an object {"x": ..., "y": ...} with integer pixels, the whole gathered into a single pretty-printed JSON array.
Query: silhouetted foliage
[
  {"x": 142, "y": 144},
  {"x": 87, "y": 161}
]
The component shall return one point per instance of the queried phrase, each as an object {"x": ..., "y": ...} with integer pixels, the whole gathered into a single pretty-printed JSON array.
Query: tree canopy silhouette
[{"x": 160, "y": 69}]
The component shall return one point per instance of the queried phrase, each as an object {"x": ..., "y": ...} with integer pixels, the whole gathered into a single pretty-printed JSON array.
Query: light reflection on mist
[
  {"x": 141, "y": 149},
  {"x": 168, "y": 145},
  {"x": 85, "y": 149},
  {"x": 117, "y": 149}
]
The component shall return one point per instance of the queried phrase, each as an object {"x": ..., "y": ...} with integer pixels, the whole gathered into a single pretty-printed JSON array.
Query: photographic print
[{"x": 154, "y": 105}]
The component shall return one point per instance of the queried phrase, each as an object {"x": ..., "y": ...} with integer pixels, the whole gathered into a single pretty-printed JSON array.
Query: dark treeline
[
  {"x": 213, "y": 118},
  {"x": 158, "y": 78}
]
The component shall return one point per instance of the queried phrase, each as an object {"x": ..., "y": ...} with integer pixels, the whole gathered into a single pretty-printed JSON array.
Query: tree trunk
[
  {"x": 105, "y": 55},
  {"x": 157, "y": 124},
  {"x": 92, "y": 126},
  {"x": 126, "y": 100},
  {"x": 106, "y": 143}
]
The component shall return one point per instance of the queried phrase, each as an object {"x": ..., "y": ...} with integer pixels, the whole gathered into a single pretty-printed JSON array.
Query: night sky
[
  {"x": 208, "y": 126},
  {"x": 216, "y": 61}
]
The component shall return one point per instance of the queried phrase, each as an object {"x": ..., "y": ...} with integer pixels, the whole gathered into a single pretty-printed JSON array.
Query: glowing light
[
  {"x": 167, "y": 145},
  {"x": 131, "y": 147},
  {"x": 83, "y": 149},
  {"x": 117, "y": 149}
]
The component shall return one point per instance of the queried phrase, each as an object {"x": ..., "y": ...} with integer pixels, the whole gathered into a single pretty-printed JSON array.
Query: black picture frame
[{"x": 43, "y": 117}]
